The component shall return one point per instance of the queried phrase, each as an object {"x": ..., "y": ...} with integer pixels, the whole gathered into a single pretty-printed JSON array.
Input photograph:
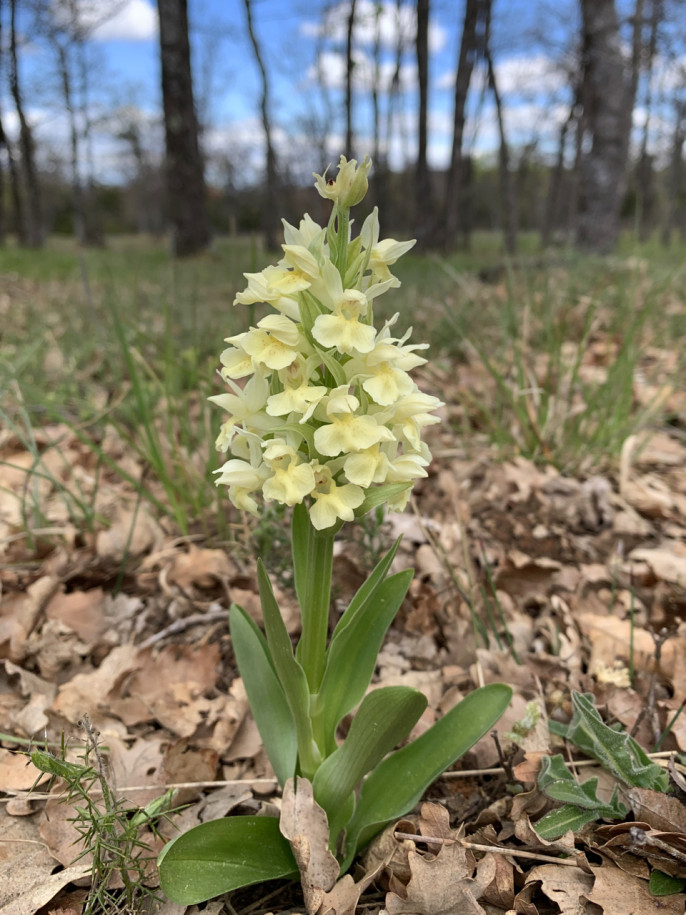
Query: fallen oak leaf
[
  {"x": 663, "y": 813},
  {"x": 343, "y": 898},
  {"x": 303, "y": 822},
  {"x": 440, "y": 884},
  {"x": 567, "y": 887},
  {"x": 617, "y": 894}
]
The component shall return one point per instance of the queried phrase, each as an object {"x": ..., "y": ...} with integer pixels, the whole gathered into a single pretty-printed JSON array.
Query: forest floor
[{"x": 549, "y": 543}]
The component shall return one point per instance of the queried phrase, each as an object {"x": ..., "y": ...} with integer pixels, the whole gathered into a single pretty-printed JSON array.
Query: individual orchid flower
[
  {"x": 276, "y": 286},
  {"x": 382, "y": 254},
  {"x": 348, "y": 431},
  {"x": 292, "y": 479},
  {"x": 343, "y": 329},
  {"x": 298, "y": 395},
  {"x": 246, "y": 406},
  {"x": 273, "y": 343},
  {"x": 331, "y": 501}
]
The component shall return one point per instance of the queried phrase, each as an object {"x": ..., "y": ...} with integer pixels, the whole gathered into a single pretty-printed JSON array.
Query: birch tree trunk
[{"x": 186, "y": 193}]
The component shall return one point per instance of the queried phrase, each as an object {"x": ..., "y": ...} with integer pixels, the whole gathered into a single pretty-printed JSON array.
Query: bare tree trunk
[
  {"x": 349, "y": 67},
  {"x": 507, "y": 194},
  {"x": 608, "y": 96},
  {"x": 31, "y": 232},
  {"x": 186, "y": 192},
  {"x": 675, "y": 217},
  {"x": 380, "y": 184},
  {"x": 552, "y": 207},
  {"x": 423, "y": 205},
  {"x": 92, "y": 224},
  {"x": 463, "y": 77},
  {"x": 645, "y": 175},
  {"x": 270, "y": 198},
  {"x": 78, "y": 203}
]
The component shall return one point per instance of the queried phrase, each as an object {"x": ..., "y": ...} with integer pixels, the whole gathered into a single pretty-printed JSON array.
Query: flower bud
[{"x": 350, "y": 186}]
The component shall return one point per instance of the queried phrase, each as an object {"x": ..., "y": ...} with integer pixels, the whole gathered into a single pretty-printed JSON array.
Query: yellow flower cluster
[{"x": 328, "y": 412}]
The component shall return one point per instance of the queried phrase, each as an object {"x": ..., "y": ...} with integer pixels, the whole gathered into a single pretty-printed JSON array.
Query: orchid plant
[{"x": 324, "y": 417}]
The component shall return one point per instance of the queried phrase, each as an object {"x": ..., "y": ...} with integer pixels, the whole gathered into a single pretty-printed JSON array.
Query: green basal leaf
[
  {"x": 290, "y": 674},
  {"x": 223, "y": 855},
  {"x": 267, "y": 699},
  {"x": 397, "y": 783},
  {"x": 385, "y": 717},
  {"x": 366, "y": 591},
  {"x": 662, "y": 884},
  {"x": 353, "y": 653},
  {"x": 618, "y": 752},
  {"x": 560, "y": 821}
]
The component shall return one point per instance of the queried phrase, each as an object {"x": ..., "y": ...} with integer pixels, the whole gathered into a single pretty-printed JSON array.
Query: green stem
[
  {"x": 315, "y": 602},
  {"x": 341, "y": 254}
]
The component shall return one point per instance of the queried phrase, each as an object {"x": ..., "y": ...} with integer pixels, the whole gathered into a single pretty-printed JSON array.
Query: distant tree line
[{"x": 604, "y": 173}]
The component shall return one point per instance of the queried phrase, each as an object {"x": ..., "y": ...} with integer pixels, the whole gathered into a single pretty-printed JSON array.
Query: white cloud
[
  {"x": 331, "y": 72},
  {"x": 524, "y": 76},
  {"x": 135, "y": 21},
  {"x": 390, "y": 24},
  {"x": 109, "y": 20}
]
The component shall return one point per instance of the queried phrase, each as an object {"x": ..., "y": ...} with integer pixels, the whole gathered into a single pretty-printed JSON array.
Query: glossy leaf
[
  {"x": 397, "y": 783},
  {"x": 353, "y": 654},
  {"x": 385, "y": 717},
  {"x": 223, "y": 855},
  {"x": 267, "y": 699}
]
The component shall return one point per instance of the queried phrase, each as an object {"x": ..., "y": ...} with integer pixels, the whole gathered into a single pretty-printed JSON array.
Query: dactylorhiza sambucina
[
  {"x": 322, "y": 410},
  {"x": 323, "y": 416}
]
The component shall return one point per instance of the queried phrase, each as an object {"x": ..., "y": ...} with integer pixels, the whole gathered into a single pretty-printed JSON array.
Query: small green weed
[{"x": 116, "y": 836}]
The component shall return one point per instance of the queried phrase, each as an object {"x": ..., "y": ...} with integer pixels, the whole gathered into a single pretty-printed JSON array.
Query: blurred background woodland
[{"x": 562, "y": 120}]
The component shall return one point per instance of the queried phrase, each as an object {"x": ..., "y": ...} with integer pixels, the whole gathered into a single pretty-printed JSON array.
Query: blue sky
[{"x": 531, "y": 39}]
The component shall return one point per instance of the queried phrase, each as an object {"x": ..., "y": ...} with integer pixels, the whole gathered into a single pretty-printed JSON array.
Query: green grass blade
[
  {"x": 267, "y": 699},
  {"x": 223, "y": 855}
]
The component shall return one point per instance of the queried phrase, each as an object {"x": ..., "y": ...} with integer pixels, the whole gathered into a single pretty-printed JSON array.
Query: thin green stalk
[
  {"x": 669, "y": 727},
  {"x": 315, "y": 606},
  {"x": 341, "y": 255}
]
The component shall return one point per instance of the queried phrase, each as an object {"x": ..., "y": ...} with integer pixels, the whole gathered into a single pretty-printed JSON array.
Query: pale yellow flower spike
[{"x": 327, "y": 411}]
